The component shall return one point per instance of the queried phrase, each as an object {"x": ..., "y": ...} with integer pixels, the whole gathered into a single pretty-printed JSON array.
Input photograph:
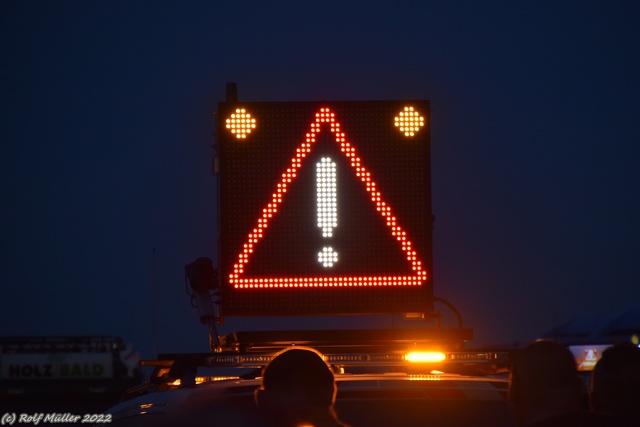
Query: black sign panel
[{"x": 325, "y": 208}]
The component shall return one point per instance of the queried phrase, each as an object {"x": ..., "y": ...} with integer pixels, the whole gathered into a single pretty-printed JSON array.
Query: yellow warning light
[
  {"x": 240, "y": 123},
  {"x": 425, "y": 356},
  {"x": 409, "y": 121},
  {"x": 432, "y": 376},
  {"x": 202, "y": 380}
]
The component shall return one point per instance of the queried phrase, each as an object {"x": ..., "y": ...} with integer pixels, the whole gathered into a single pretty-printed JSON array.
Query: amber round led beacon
[
  {"x": 409, "y": 121},
  {"x": 240, "y": 123}
]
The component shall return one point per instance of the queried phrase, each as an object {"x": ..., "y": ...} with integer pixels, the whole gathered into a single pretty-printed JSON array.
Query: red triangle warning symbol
[{"x": 417, "y": 276}]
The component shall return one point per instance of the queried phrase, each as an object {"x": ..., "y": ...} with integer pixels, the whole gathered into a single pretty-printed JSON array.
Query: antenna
[{"x": 154, "y": 300}]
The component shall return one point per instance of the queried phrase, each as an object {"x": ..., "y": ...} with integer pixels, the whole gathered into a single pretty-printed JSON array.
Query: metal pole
[{"x": 154, "y": 294}]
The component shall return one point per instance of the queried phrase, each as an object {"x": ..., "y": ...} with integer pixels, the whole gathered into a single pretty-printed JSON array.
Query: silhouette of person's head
[
  {"x": 615, "y": 384},
  {"x": 544, "y": 382},
  {"x": 298, "y": 387}
]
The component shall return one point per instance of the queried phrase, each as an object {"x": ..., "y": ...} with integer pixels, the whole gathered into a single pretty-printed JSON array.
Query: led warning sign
[{"x": 325, "y": 208}]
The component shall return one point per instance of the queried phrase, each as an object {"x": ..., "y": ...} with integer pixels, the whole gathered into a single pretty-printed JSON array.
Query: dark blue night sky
[{"x": 106, "y": 118}]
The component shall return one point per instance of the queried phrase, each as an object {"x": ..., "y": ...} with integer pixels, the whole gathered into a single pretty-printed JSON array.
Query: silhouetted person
[
  {"x": 545, "y": 389},
  {"x": 615, "y": 384},
  {"x": 298, "y": 389}
]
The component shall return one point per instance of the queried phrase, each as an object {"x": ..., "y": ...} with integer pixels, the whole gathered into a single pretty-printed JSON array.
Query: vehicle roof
[
  {"x": 383, "y": 377},
  {"x": 362, "y": 399}
]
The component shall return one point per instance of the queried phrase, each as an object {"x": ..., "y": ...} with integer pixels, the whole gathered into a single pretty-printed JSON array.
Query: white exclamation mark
[{"x": 327, "y": 207}]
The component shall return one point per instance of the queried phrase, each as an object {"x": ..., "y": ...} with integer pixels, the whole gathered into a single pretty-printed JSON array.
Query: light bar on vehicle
[{"x": 360, "y": 359}]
